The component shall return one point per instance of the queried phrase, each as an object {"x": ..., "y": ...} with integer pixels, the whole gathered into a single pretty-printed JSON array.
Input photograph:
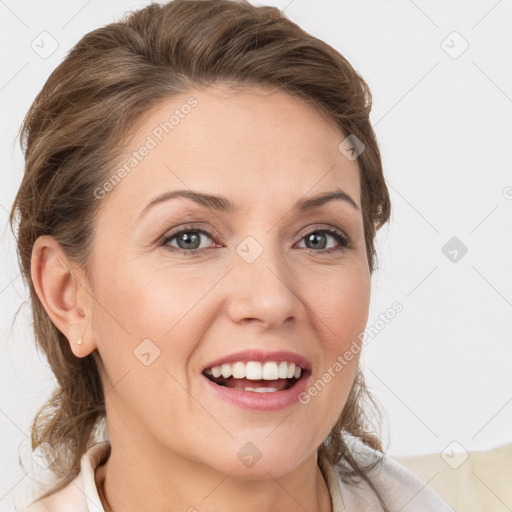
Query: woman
[{"x": 196, "y": 224}]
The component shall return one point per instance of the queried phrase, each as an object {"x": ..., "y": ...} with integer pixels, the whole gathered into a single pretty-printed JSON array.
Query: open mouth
[{"x": 255, "y": 385}]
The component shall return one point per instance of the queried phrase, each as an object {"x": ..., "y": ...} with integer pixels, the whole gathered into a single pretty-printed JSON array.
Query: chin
[{"x": 260, "y": 460}]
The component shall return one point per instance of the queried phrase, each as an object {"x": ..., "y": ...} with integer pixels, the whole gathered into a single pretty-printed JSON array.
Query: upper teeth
[{"x": 254, "y": 370}]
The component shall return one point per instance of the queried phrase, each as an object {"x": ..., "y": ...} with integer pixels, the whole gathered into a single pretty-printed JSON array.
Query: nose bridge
[
  {"x": 264, "y": 285},
  {"x": 260, "y": 257}
]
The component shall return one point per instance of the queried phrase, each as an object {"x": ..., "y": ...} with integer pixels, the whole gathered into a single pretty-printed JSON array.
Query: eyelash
[{"x": 336, "y": 233}]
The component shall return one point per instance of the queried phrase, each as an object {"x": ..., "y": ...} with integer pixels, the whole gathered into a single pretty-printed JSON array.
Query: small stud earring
[{"x": 79, "y": 342}]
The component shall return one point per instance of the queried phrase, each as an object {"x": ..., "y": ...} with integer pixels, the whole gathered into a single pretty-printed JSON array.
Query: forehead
[{"x": 259, "y": 147}]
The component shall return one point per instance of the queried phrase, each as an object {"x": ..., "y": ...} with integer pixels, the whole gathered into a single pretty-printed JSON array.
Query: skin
[{"x": 263, "y": 150}]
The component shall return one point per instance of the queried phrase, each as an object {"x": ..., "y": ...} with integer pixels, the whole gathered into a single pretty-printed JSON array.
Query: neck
[{"x": 125, "y": 486}]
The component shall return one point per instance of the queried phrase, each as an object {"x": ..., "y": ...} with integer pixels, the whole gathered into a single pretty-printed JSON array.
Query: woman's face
[{"x": 266, "y": 277}]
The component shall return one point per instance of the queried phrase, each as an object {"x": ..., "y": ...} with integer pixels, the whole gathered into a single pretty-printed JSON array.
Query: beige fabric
[{"x": 481, "y": 483}]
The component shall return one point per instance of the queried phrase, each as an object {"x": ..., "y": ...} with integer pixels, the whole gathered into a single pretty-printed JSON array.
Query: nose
[{"x": 263, "y": 289}]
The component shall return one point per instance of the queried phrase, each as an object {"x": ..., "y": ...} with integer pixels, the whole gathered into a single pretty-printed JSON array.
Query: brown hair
[{"x": 75, "y": 129}]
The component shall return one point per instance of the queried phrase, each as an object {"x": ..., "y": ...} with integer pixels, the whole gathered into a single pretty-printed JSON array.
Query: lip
[
  {"x": 263, "y": 357},
  {"x": 255, "y": 401}
]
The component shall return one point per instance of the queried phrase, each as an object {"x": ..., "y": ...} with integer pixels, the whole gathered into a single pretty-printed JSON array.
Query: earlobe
[{"x": 56, "y": 287}]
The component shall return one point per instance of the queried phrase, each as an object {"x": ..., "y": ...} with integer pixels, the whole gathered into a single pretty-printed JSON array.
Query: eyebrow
[{"x": 223, "y": 204}]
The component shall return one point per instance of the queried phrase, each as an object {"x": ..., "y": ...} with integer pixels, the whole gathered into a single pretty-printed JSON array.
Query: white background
[{"x": 441, "y": 368}]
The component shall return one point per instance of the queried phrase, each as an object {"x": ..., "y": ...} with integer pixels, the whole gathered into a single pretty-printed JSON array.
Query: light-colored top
[{"x": 399, "y": 488}]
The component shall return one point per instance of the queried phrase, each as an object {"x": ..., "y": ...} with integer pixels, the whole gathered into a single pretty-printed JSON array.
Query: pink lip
[
  {"x": 263, "y": 357},
  {"x": 261, "y": 401}
]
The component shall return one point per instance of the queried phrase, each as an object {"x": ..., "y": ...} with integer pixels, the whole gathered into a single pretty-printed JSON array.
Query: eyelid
[{"x": 322, "y": 227}]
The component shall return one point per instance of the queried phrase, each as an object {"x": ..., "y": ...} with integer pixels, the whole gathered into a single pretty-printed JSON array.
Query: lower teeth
[
  {"x": 261, "y": 390},
  {"x": 222, "y": 382}
]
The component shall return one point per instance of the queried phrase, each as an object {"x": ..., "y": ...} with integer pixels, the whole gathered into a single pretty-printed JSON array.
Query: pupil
[
  {"x": 313, "y": 237},
  {"x": 188, "y": 239}
]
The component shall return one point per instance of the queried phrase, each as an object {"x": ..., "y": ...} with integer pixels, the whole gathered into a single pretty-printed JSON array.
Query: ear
[{"x": 60, "y": 288}]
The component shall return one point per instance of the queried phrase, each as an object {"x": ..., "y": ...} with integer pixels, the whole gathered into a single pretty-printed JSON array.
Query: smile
[
  {"x": 271, "y": 376},
  {"x": 255, "y": 385}
]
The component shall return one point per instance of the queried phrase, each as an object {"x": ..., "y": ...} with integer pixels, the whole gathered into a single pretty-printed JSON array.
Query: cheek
[
  {"x": 146, "y": 299},
  {"x": 340, "y": 308},
  {"x": 341, "y": 305},
  {"x": 139, "y": 327},
  {"x": 137, "y": 304}
]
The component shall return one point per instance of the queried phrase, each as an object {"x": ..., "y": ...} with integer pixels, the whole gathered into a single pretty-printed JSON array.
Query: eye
[
  {"x": 319, "y": 242},
  {"x": 188, "y": 240}
]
